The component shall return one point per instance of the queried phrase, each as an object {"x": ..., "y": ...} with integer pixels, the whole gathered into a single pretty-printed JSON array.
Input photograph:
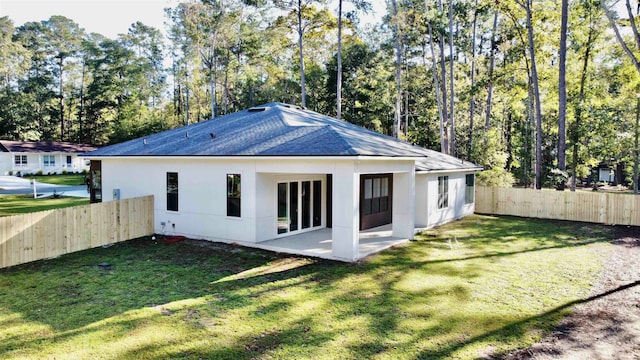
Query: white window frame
[
  {"x": 300, "y": 180},
  {"x": 443, "y": 192},
  {"x": 49, "y": 160},
  {"x": 20, "y": 160},
  {"x": 231, "y": 194},
  {"x": 469, "y": 190}
]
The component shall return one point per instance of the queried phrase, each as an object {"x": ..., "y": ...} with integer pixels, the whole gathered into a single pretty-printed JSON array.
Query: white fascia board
[
  {"x": 209, "y": 157},
  {"x": 450, "y": 171}
]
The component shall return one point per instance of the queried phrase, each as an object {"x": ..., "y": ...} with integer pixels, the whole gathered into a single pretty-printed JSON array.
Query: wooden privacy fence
[
  {"x": 595, "y": 207},
  {"x": 46, "y": 234}
]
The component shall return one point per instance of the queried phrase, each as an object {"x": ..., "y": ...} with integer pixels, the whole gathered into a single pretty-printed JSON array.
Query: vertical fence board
[
  {"x": 51, "y": 233},
  {"x": 3, "y": 242},
  {"x": 595, "y": 207}
]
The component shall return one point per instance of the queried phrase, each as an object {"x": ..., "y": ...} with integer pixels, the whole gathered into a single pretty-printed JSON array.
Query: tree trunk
[
  {"x": 436, "y": 84},
  {"x": 636, "y": 150},
  {"x": 397, "y": 119},
  {"x": 61, "y": 96},
  {"x": 635, "y": 62},
  {"x": 81, "y": 136},
  {"x": 492, "y": 60},
  {"x": 509, "y": 141},
  {"x": 577, "y": 126},
  {"x": 339, "y": 79},
  {"x": 619, "y": 38},
  {"x": 226, "y": 84},
  {"x": 452, "y": 123},
  {"x": 187, "y": 102},
  {"x": 531, "y": 130},
  {"x": 536, "y": 94},
  {"x": 472, "y": 101},
  {"x": 212, "y": 82},
  {"x": 562, "y": 91},
  {"x": 303, "y": 88},
  {"x": 406, "y": 111},
  {"x": 443, "y": 76}
]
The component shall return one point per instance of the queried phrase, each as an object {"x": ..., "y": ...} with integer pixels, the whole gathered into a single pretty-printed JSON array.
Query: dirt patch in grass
[{"x": 606, "y": 325}]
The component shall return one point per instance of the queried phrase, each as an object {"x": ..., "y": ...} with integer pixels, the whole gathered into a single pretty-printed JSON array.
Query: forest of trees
[{"x": 532, "y": 90}]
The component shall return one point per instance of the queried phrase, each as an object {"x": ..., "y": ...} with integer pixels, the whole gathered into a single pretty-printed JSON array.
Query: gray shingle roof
[
  {"x": 43, "y": 146},
  {"x": 277, "y": 129}
]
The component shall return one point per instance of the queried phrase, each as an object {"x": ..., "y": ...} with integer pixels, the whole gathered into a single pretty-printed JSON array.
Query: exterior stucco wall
[
  {"x": 427, "y": 212},
  {"x": 202, "y": 195}
]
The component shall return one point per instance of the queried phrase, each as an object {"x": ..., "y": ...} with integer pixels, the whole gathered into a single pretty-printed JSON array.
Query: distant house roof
[
  {"x": 277, "y": 129},
  {"x": 43, "y": 146}
]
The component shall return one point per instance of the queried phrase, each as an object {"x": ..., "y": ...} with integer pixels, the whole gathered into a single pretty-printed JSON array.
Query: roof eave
[
  {"x": 448, "y": 171},
  {"x": 252, "y": 157}
]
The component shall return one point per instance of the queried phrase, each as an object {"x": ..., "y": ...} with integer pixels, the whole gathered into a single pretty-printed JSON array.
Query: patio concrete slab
[{"x": 318, "y": 243}]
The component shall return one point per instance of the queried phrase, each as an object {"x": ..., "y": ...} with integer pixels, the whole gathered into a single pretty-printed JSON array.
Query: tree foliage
[{"x": 58, "y": 82}]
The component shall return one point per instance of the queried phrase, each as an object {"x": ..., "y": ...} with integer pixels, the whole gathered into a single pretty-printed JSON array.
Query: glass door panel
[
  {"x": 293, "y": 206},
  {"x": 375, "y": 200},
  {"x": 317, "y": 203},
  {"x": 283, "y": 218},
  {"x": 299, "y": 206},
  {"x": 306, "y": 204}
]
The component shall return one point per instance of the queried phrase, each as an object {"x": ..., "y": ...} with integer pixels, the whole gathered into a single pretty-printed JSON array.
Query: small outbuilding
[
  {"x": 284, "y": 178},
  {"x": 48, "y": 157}
]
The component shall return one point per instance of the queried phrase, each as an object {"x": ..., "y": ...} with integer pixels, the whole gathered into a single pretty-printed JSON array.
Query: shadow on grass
[
  {"x": 518, "y": 328},
  {"x": 74, "y": 290},
  {"x": 296, "y": 306}
]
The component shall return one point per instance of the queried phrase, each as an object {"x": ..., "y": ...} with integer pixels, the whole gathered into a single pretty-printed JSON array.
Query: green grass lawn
[
  {"x": 67, "y": 179},
  {"x": 20, "y": 204},
  {"x": 504, "y": 284}
]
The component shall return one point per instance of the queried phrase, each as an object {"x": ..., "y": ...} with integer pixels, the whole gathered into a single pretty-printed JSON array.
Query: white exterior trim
[
  {"x": 450, "y": 171},
  {"x": 252, "y": 157}
]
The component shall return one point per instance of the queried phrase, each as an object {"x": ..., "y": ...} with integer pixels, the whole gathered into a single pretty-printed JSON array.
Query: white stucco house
[
  {"x": 29, "y": 157},
  {"x": 280, "y": 177}
]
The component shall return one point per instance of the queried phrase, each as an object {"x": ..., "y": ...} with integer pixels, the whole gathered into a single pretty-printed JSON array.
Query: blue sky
[{"x": 109, "y": 17}]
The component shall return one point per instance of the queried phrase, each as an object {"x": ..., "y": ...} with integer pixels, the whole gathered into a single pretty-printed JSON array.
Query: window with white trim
[
  {"x": 172, "y": 191},
  {"x": 470, "y": 190},
  {"x": 49, "y": 160},
  {"x": 233, "y": 195},
  {"x": 20, "y": 160},
  {"x": 443, "y": 192}
]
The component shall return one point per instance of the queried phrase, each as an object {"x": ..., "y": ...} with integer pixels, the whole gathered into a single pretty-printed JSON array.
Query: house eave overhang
[
  {"x": 255, "y": 157},
  {"x": 450, "y": 171}
]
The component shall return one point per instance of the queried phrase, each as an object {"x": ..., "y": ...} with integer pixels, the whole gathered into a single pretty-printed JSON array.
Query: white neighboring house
[
  {"x": 278, "y": 170},
  {"x": 30, "y": 157}
]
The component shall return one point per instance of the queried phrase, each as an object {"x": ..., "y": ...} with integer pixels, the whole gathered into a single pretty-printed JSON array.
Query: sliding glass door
[{"x": 299, "y": 206}]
